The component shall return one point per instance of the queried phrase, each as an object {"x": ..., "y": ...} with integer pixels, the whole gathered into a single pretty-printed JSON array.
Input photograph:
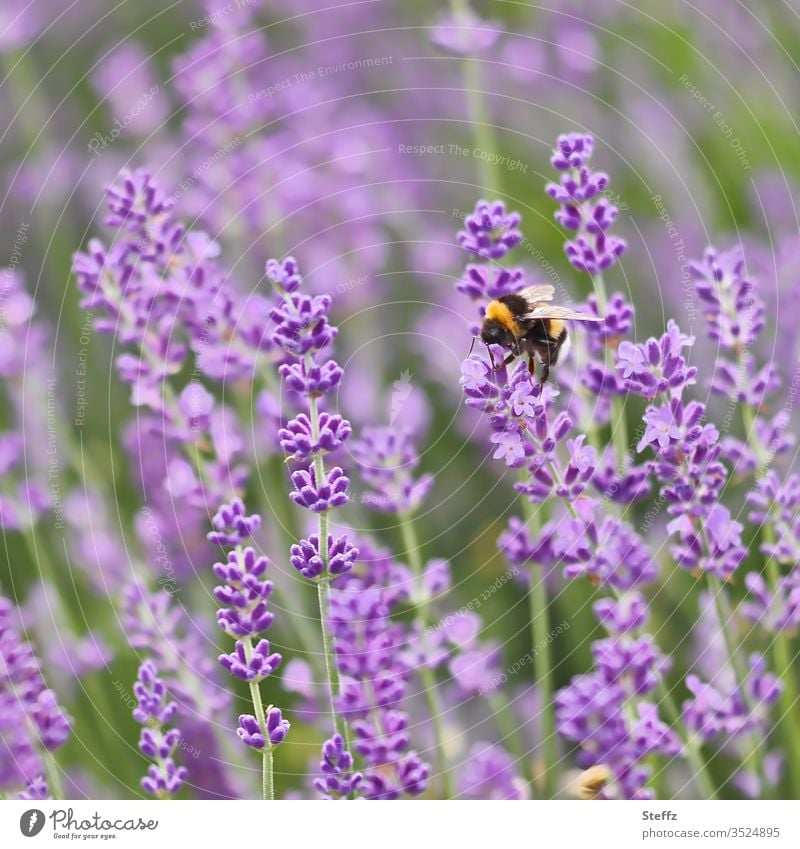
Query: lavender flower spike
[
  {"x": 32, "y": 725},
  {"x": 155, "y": 710},
  {"x": 338, "y": 781},
  {"x": 590, "y": 217},
  {"x": 303, "y": 332},
  {"x": 245, "y": 593}
]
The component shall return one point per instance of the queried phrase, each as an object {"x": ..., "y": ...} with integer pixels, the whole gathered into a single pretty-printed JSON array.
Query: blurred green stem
[
  {"x": 481, "y": 128},
  {"x": 324, "y": 585},
  {"x": 692, "y": 748},
  {"x": 542, "y": 662},
  {"x": 334, "y": 684},
  {"x": 422, "y": 619},
  {"x": 740, "y": 672},
  {"x": 508, "y": 725},
  {"x": 53, "y": 775}
]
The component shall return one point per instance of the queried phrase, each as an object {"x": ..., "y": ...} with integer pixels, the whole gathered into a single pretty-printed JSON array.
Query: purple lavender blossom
[
  {"x": 30, "y": 718},
  {"x": 272, "y": 731},
  {"x": 773, "y": 610},
  {"x": 710, "y": 711},
  {"x": 388, "y": 458},
  {"x": 490, "y": 773},
  {"x": 593, "y": 249},
  {"x": 255, "y": 668},
  {"x": 490, "y": 232},
  {"x": 733, "y": 312},
  {"x": 231, "y": 524},
  {"x": 155, "y": 710},
  {"x": 323, "y": 496},
  {"x": 307, "y": 558},
  {"x": 658, "y": 365},
  {"x": 245, "y": 592},
  {"x": 777, "y": 503},
  {"x": 245, "y": 617},
  {"x": 338, "y": 780},
  {"x": 154, "y": 624},
  {"x": 374, "y": 684},
  {"x": 490, "y": 281}
]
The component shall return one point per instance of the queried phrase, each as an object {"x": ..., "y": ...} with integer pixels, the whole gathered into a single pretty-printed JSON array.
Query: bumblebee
[{"x": 526, "y": 325}]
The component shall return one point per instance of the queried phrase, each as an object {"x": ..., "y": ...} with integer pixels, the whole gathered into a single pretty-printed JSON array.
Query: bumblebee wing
[
  {"x": 538, "y": 292},
  {"x": 553, "y": 311}
]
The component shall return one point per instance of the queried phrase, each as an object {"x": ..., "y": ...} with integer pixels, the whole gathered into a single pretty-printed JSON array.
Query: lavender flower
[
  {"x": 232, "y": 525},
  {"x": 593, "y": 249},
  {"x": 303, "y": 331},
  {"x": 374, "y": 684},
  {"x": 31, "y": 722},
  {"x": 307, "y": 558},
  {"x": 490, "y": 232},
  {"x": 733, "y": 312},
  {"x": 490, "y": 281},
  {"x": 338, "y": 780},
  {"x": 776, "y": 503},
  {"x": 388, "y": 458},
  {"x": 268, "y": 734},
  {"x": 161, "y": 290},
  {"x": 735, "y": 317},
  {"x": 246, "y": 617},
  {"x": 155, "y": 710},
  {"x": 733, "y": 712},
  {"x": 490, "y": 773},
  {"x": 657, "y": 366},
  {"x": 154, "y": 624}
]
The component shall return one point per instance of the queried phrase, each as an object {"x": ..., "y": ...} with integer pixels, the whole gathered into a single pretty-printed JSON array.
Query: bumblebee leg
[
  {"x": 531, "y": 365},
  {"x": 506, "y": 362},
  {"x": 545, "y": 372}
]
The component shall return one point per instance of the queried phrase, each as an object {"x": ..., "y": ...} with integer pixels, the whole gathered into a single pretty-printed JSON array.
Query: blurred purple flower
[{"x": 489, "y": 772}]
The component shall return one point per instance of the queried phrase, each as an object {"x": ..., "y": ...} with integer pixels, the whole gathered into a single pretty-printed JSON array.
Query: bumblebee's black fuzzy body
[{"x": 524, "y": 325}]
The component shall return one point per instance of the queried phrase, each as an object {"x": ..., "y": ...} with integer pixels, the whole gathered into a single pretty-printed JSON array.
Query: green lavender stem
[
  {"x": 324, "y": 588},
  {"x": 509, "y": 728},
  {"x": 258, "y": 708},
  {"x": 429, "y": 683},
  {"x": 740, "y": 673},
  {"x": 482, "y": 132},
  {"x": 334, "y": 684},
  {"x": 542, "y": 662},
  {"x": 692, "y": 748},
  {"x": 540, "y": 623}
]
